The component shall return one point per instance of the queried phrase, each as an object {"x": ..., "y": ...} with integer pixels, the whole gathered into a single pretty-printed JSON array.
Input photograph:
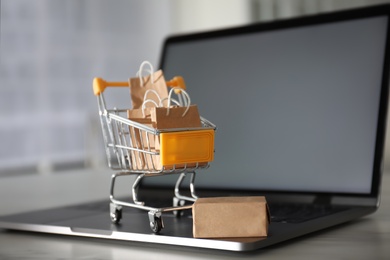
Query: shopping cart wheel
[
  {"x": 115, "y": 213},
  {"x": 156, "y": 225},
  {"x": 178, "y": 202},
  {"x": 155, "y": 221}
]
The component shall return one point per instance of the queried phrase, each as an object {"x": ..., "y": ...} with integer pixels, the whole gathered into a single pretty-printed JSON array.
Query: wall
[{"x": 51, "y": 50}]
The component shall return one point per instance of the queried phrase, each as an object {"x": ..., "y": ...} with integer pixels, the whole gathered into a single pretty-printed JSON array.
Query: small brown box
[{"x": 223, "y": 217}]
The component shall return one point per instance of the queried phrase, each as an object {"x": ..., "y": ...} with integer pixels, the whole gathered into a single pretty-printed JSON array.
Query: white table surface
[{"x": 367, "y": 238}]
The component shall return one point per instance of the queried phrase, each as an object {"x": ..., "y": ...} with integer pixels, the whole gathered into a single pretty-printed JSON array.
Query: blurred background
[{"x": 52, "y": 49}]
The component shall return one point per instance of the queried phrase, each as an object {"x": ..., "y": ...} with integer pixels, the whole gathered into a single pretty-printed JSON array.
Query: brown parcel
[{"x": 224, "y": 217}]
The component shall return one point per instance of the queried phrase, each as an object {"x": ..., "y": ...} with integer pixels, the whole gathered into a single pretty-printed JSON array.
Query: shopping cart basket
[{"x": 130, "y": 150}]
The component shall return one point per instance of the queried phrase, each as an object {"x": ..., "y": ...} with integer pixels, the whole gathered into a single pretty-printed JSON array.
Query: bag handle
[
  {"x": 184, "y": 93},
  {"x": 141, "y": 69},
  {"x": 155, "y": 93},
  {"x": 150, "y": 100},
  {"x": 161, "y": 101}
]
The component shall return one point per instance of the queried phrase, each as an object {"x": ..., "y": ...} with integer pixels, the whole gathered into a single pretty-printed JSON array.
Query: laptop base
[{"x": 134, "y": 226}]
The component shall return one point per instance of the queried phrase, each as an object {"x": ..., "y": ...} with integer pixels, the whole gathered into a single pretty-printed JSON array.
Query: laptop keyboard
[
  {"x": 297, "y": 213},
  {"x": 282, "y": 213}
]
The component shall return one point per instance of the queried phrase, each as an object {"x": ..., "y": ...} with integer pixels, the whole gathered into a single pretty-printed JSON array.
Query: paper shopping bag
[
  {"x": 141, "y": 158},
  {"x": 139, "y": 85},
  {"x": 175, "y": 117}
]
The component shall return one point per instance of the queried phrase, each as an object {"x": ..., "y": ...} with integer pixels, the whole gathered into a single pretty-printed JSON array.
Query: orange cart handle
[
  {"x": 99, "y": 84},
  {"x": 177, "y": 82}
]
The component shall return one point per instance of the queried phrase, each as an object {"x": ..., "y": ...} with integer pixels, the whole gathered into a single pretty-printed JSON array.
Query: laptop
[{"x": 300, "y": 107}]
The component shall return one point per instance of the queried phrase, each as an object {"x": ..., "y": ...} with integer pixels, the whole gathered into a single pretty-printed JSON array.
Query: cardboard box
[{"x": 225, "y": 217}]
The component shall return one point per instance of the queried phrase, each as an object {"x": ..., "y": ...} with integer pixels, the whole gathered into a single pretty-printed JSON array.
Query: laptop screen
[{"x": 296, "y": 107}]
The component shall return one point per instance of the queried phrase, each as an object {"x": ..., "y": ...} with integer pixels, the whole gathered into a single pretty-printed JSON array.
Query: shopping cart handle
[
  {"x": 177, "y": 82},
  {"x": 99, "y": 84}
]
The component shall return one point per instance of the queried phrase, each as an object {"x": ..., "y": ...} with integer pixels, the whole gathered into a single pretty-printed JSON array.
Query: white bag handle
[
  {"x": 161, "y": 101},
  {"x": 141, "y": 69},
  {"x": 150, "y": 100},
  {"x": 177, "y": 103},
  {"x": 187, "y": 102}
]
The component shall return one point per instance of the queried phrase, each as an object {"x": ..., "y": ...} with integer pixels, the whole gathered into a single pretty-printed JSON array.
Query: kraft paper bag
[
  {"x": 228, "y": 217},
  {"x": 139, "y": 85},
  {"x": 150, "y": 142},
  {"x": 176, "y": 117},
  {"x": 142, "y": 140}
]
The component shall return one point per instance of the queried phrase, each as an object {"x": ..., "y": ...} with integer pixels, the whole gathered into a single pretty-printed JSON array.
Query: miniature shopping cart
[{"x": 130, "y": 149}]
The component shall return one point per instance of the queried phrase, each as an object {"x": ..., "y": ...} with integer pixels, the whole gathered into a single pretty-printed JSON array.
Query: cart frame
[{"x": 123, "y": 155}]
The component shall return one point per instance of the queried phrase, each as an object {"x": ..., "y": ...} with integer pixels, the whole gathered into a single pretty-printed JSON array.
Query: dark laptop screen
[{"x": 296, "y": 108}]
